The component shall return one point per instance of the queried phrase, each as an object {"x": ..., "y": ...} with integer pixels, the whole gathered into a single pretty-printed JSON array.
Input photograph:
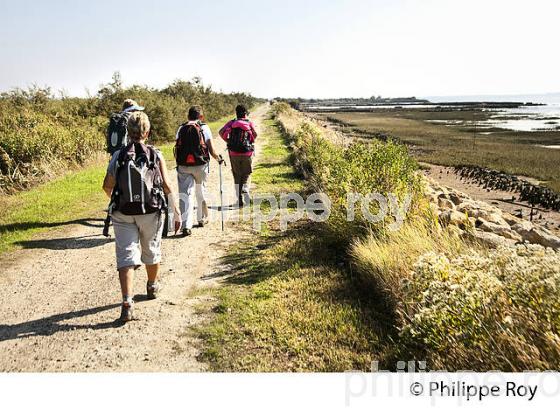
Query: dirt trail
[{"x": 59, "y": 297}]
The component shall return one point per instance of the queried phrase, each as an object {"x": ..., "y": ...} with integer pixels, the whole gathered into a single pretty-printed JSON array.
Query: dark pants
[{"x": 241, "y": 168}]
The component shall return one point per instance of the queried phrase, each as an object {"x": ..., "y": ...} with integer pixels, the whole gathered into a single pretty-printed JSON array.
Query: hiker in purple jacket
[{"x": 240, "y": 135}]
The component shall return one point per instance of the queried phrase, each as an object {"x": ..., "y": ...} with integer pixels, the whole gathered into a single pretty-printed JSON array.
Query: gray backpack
[
  {"x": 139, "y": 187},
  {"x": 117, "y": 133}
]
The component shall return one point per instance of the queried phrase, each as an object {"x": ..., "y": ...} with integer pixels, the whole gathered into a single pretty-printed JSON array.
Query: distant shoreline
[{"x": 348, "y": 106}]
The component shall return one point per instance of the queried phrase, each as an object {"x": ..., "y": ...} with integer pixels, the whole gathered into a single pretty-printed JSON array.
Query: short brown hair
[
  {"x": 138, "y": 125},
  {"x": 195, "y": 112}
]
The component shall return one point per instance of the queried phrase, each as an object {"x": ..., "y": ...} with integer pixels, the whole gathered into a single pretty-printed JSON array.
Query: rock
[
  {"x": 489, "y": 239},
  {"x": 455, "y": 198},
  {"x": 474, "y": 212},
  {"x": 433, "y": 198},
  {"x": 445, "y": 203},
  {"x": 483, "y": 211},
  {"x": 442, "y": 191},
  {"x": 452, "y": 217},
  {"x": 545, "y": 239},
  {"x": 537, "y": 235},
  {"x": 467, "y": 206},
  {"x": 497, "y": 219},
  {"x": 522, "y": 227},
  {"x": 510, "y": 219},
  {"x": 501, "y": 230}
]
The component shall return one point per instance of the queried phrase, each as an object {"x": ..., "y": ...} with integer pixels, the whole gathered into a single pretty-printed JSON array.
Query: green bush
[
  {"x": 359, "y": 168},
  {"x": 41, "y": 134},
  {"x": 34, "y": 144}
]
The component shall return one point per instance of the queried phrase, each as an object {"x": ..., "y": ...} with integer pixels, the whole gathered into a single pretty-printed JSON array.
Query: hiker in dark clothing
[{"x": 117, "y": 133}]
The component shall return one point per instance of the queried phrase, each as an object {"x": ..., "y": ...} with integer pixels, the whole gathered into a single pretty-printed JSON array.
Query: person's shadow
[
  {"x": 50, "y": 325},
  {"x": 79, "y": 242}
]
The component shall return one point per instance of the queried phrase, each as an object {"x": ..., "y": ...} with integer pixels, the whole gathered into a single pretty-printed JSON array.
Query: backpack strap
[
  {"x": 124, "y": 152},
  {"x": 154, "y": 160},
  {"x": 153, "y": 157}
]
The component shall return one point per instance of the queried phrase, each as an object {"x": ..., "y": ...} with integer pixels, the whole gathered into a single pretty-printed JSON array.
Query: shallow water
[
  {"x": 531, "y": 118},
  {"x": 534, "y": 118}
]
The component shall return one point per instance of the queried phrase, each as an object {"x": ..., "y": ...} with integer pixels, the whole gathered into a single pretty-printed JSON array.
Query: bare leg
[
  {"x": 126, "y": 276},
  {"x": 153, "y": 271}
]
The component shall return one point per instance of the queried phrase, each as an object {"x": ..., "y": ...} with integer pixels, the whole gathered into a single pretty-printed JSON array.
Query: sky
[{"x": 285, "y": 48}]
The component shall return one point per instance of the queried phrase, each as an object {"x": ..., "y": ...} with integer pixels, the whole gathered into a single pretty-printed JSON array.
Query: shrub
[
  {"x": 474, "y": 312},
  {"x": 41, "y": 134},
  {"x": 34, "y": 144},
  {"x": 359, "y": 168}
]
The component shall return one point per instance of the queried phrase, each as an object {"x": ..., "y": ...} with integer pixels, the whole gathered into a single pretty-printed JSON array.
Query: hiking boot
[
  {"x": 152, "y": 290},
  {"x": 187, "y": 232},
  {"x": 127, "y": 312}
]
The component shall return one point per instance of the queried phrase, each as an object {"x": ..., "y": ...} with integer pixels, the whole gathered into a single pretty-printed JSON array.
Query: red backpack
[{"x": 190, "y": 147}]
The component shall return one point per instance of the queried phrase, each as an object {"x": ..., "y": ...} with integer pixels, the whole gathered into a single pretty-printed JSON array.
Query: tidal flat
[{"x": 459, "y": 137}]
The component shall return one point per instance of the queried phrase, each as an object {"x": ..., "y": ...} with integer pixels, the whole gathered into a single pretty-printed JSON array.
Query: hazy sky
[{"x": 286, "y": 47}]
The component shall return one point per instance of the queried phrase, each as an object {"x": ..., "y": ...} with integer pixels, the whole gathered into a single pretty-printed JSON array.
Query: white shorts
[{"x": 138, "y": 239}]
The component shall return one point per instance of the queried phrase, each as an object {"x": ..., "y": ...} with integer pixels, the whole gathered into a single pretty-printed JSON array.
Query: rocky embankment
[{"x": 482, "y": 222}]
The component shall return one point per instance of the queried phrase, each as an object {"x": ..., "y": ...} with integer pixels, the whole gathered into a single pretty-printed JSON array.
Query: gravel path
[{"x": 59, "y": 298}]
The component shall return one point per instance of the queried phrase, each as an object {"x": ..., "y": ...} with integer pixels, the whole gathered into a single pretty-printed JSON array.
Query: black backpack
[
  {"x": 190, "y": 147},
  {"x": 240, "y": 140},
  {"x": 139, "y": 187},
  {"x": 117, "y": 132}
]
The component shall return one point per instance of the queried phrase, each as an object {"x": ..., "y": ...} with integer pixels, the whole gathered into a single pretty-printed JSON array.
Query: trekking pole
[
  {"x": 165, "y": 211},
  {"x": 221, "y": 192},
  {"x": 107, "y": 221}
]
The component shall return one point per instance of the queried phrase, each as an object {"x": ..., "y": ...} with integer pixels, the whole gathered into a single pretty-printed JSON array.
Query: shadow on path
[
  {"x": 79, "y": 242},
  {"x": 50, "y": 325},
  {"x": 23, "y": 226}
]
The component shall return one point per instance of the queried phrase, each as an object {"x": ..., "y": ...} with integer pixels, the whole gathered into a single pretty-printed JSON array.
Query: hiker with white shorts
[
  {"x": 192, "y": 153},
  {"x": 137, "y": 182}
]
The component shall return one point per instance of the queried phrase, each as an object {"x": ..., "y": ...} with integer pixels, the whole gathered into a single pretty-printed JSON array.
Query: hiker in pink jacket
[{"x": 240, "y": 135}]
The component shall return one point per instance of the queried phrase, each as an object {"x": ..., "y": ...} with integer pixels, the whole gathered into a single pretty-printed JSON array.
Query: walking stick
[
  {"x": 165, "y": 212},
  {"x": 221, "y": 192}
]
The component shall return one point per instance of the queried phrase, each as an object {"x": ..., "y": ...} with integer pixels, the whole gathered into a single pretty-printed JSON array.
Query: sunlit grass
[
  {"x": 288, "y": 304},
  {"x": 63, "y": 201}
]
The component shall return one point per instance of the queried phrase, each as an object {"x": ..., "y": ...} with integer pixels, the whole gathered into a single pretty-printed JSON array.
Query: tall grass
[
  {"x": 457, "y": 305},
  {"x": 34, "y": 144}
]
